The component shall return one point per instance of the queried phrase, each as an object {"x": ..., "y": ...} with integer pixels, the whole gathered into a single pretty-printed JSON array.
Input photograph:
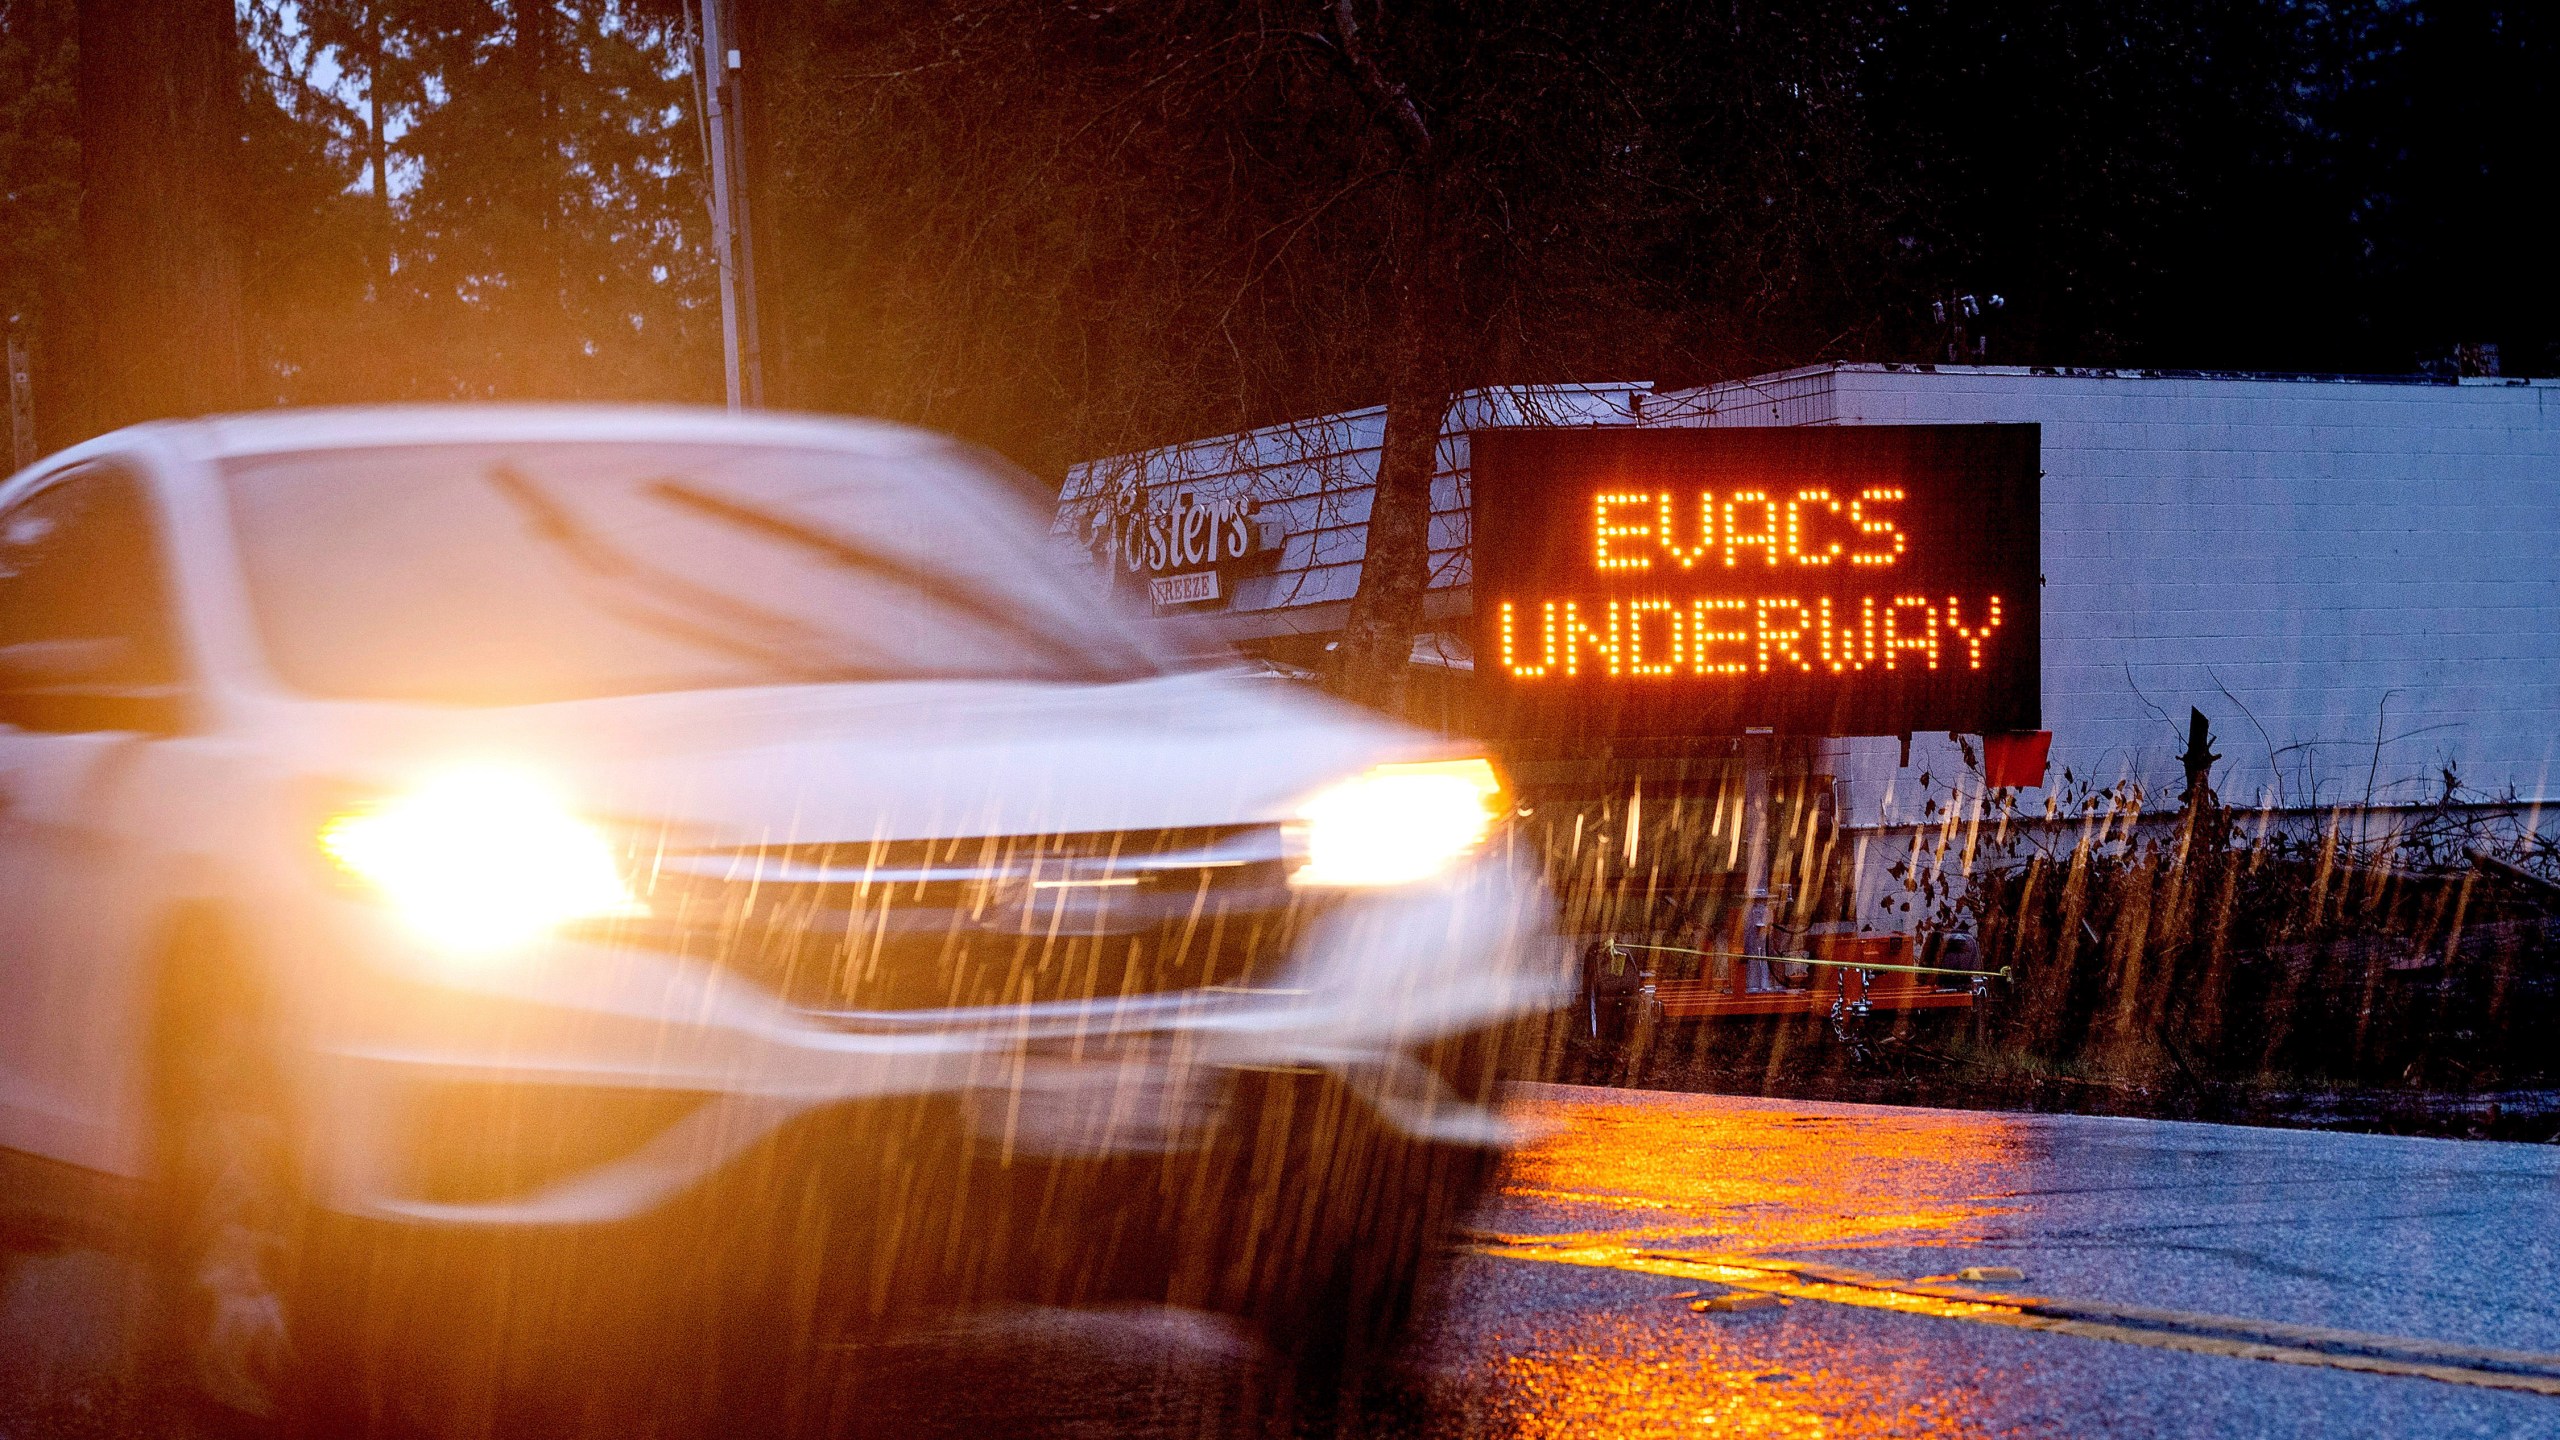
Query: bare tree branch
[{"x": 1383, "y": 88}]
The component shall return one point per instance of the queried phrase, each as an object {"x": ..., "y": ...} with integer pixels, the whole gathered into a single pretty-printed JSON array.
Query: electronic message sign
[{"x": 1835, "y": 580}]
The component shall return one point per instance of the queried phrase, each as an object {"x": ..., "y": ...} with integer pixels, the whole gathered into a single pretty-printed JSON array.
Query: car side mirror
[{"x": 81, "y": 685}]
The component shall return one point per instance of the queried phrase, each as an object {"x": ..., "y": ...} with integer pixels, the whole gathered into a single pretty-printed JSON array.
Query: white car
[{"x": 475, "y": 877}]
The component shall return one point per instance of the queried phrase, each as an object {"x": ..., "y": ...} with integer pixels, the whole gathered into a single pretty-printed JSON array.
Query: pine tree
[
  {"x": 552, "y": 245},
  {"x": 40, "y": 201},
  {"x": 160, "y": 162}
]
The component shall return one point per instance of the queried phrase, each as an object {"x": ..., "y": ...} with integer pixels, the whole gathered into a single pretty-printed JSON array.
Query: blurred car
[{"x": 671, "y": 890}]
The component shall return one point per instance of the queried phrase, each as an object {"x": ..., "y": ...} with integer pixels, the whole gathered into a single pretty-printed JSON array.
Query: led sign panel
[{"x": 1849, "y": 580}]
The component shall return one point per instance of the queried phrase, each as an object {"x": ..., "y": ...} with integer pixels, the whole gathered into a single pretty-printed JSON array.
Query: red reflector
[{"x": 2015, "y": 759}]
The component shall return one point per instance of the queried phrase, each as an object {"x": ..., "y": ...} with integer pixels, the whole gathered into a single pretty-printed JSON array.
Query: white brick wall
[{"x": 2351, "y": 579}]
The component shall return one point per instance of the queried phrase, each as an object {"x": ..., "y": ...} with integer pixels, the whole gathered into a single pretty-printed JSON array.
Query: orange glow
[
  {"x": 1974, "y": 637},
  {"x": 1924, "y": 643},
  {"x": 1698, "y": 660},
  {"x": 1876, "y": 495},
  {"x": 1864, "y": 580},
  {"x": 1636, "y": 665},
  {"x": 1814, "y": 636},
  {"x": 1782, "y": 643},
  {"x": 1689, "y": 556},
  {"x": 1578, "y": 634},
  {"x": 1603, "y": 531},
  {"x": 1782, "y": 527},
  {"x": 1780, "y": 1176},
  {"x": 1621, "y": 640},
  {"x": 1762, "y": 1197},
  {"x": 1510, "y": 655},
  {"x": 1839, "y": 647},
  {"x": 1637, "y": 1381},
  {"x": 1767, "y": 537},
  {"x": 1734, "y": 1179},
  {"x": 1796, "y": 527}
]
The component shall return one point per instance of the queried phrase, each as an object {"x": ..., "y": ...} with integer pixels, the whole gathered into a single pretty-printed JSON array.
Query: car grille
[{"x": 990, "y": 921}]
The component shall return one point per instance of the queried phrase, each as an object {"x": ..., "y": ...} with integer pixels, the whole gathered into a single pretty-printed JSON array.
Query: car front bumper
[{"x": 584, "y": 1086}]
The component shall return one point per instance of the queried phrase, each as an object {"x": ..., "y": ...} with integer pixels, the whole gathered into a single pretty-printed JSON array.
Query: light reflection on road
[
  {"x": 1736, "y": 1178},
  {"x": 1633, "y": 1384},
  {"x": 1744, "y": 1176}
]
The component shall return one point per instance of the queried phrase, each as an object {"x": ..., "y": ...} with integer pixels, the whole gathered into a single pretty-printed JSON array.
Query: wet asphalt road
[{"x": 1571, "y": 1316}]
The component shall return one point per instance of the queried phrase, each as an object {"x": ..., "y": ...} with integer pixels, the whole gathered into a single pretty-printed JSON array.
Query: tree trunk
[
  {"x": 1395, "y": 570},
  {"x": 1395, "y": 567},
  {"x": 378, "y": 148},
  {"x": 546, "y": 337},
  {"x": 534, "y": 59},
  {"x": 159, "y": 151}
]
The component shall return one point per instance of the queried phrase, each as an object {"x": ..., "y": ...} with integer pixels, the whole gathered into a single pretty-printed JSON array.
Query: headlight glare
[
  {"x": 480, "y": 860},
  {"x": 1397, "y": 824}
]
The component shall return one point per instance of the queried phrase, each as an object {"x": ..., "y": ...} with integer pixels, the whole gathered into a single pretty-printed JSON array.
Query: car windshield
[{"x": 520, "y": 574}]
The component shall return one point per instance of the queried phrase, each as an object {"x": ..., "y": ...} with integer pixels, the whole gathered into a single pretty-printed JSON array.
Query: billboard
[
  {"x": 1835, "y": 580},
  {"x": 1189, "y": 551}
]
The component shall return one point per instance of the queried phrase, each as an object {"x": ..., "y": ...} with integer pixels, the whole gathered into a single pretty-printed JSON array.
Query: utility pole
[{"x": 740, "y": 353}]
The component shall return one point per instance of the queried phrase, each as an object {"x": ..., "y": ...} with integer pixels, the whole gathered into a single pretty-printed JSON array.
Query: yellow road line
[{"x": 2192, "y": 1332}]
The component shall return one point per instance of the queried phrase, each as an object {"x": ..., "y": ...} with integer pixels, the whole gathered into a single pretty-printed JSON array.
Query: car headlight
[
  {"x": 1397, "y": 824},
  {"x": 480, "y": 860}
]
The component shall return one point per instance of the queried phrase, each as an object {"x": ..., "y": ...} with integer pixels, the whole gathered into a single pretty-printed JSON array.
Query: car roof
[{"x": 332, "y": 428}]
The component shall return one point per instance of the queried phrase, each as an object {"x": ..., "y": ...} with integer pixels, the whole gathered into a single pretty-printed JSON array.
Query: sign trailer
[{"x": 1648, "y": 584}]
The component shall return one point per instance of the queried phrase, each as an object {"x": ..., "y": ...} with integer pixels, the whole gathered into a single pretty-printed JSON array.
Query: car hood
[{"x": 892, "y": 761}]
